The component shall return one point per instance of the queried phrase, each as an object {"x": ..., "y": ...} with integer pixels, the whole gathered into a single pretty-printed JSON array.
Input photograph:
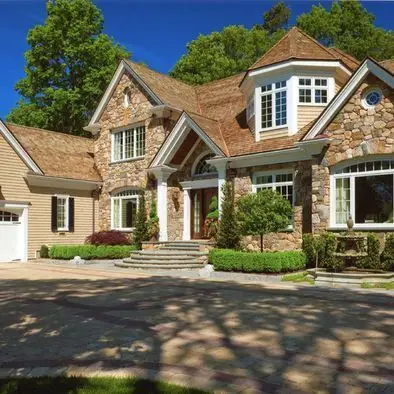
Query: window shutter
[
  {"x": 71, "y": 214},
  {"x": 54, "y": 214}
]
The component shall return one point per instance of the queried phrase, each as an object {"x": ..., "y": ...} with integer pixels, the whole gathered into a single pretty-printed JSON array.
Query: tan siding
[
  {"x": 338, "y": 87},
  {"x": 307, "y": 113},
  {"x": 15, "y": 188}
]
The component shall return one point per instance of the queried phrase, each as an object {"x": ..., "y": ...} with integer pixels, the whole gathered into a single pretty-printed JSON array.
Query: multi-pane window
[
  {"x": 313, "y": 90},
  {"x": 10, "y": 217},
  {"x": 203, "y": 167},
  {"x": 62, "y": 214},
  {"x": 128, "y": 144},
  {"x": 274, "y": 105},
  {"x": 364, "y": 191},
  {"x": 250, "y": 108},
  {"x": 280, "y": 182},
  {"x": 124, "y": 209}
]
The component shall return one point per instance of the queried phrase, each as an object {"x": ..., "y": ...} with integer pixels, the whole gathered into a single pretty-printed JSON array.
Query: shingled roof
[{"x": 58, "y": 154}]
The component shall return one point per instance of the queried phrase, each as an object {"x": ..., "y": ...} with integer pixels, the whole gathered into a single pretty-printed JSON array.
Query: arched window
[
  {"x": 124, "y": 206},
  {"x": 203, "y": 168},
  {"x": 127, "y": 97},
  {"x": 10, "y": 217},
  {"x": 363, "y": 190}
]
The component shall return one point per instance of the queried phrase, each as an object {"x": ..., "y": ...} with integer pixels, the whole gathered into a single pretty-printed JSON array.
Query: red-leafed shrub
[{"x": 112, "y": 237}]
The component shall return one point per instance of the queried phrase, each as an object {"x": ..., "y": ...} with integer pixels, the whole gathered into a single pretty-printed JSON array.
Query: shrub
[
  {"x": 387, "y": 257},
  {"x": 112, "y": 237},
  {"x": 330, "y": 262},
  {"x": 44, "y": 252},
  {"x": 88, "y": 252},
  {"x": 372, "y": 261},
  {"x": 268, "y": 262},
  {"x": 314, "y": 248},
  {"x": 141, "y": 232},
  {"x": 153, "y": 223}
]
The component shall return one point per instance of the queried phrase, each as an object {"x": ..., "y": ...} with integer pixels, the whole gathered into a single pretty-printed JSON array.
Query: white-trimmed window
[
  {"x": 128, "y": 144},
  {"x": 363, "y": 190},
  {"x": 274, "y": 105},
  {"x": 124, "y": 207},
  {"x": 250, "y": 107},
  {"x": 313, "y": 90},
  {"x": 203, "y": 167},
  {"x": 8, "y": 217}
]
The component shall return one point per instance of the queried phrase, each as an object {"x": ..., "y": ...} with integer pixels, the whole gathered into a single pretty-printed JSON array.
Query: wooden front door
[{"x": 201, "y": 198}]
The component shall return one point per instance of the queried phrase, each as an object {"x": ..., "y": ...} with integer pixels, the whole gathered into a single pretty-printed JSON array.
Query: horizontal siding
[
  {"x": 14, "y": 188},
  {"x": 307, "y": 113}
]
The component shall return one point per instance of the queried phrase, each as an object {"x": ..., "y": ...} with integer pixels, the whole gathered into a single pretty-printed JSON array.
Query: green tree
[
  {"x": 222, "y": 54},
  {"x": 68, "y": 66},
  {"x": 262, "y": 213},
  {"x": 350, "y": 27},
  {"x": 276, "y": 18},
  {"x": 141, "y": 230},
  {"x": 228, "y": 233}
]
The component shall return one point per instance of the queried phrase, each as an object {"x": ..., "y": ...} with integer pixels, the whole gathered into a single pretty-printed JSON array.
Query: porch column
[
  {"x": 221, "y": 181},
  {"x": 186, "y": 214}
]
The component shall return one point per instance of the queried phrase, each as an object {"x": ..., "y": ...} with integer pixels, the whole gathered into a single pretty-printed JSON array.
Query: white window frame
[
  {"x": 313, "y": 87},
  {"x": 352, "y": 176},
  {"x": 272, "y": 93},
  {"x": 250, "y": 108},
  {"x": 134, "y": 195},
  {"x": 274, "y": 184},
  {"x": 66, "y": 211},
  {"x": 134, "y": 129}
]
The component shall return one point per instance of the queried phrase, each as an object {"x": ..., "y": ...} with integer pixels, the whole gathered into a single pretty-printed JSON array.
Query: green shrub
[
  {"x": 89, "y": 252},
  {"x": 314, "y": 248},
  {"x": 372, "y": 261},
  {"x": 44, "y": 252},
  {"x": 268, "y": 262},
  {"x": 387, "y": 257}
]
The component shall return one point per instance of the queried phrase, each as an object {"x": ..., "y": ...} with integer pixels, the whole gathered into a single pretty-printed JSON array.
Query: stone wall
[{"x": 352, "y": 126}]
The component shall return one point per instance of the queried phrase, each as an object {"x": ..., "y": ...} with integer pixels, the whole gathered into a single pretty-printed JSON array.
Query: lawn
[
  {"x": 81, "y": 385},
  {"x": 298, "y": 277},
  {"x": 381, "y": 285}
]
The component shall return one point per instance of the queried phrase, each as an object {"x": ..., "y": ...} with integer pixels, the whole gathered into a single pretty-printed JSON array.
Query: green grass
[
  {"x": 298, "y": 277},
  {"x": 379, "y": 285},
  {"x": 80, "y": 385}
]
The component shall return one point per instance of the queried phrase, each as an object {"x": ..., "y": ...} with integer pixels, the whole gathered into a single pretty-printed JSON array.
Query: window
[
  {"x": 124, "y": 209},
  {"x": 280, "y": 182},
  {"x": 313, "y": 90},
  {"x": 128, "y": 144},
  {"x": 8, "y": 217},
  {"x": 274, "y": 105},
  {"x": 372, "y": 98},
  {"x": 250, "y": 108},
  {"x": 365, "y": 191},
  {"x": 203, "y": 168}
]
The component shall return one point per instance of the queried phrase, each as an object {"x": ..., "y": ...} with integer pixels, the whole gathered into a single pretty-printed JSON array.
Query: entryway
[{"x": 200, "y": 200}]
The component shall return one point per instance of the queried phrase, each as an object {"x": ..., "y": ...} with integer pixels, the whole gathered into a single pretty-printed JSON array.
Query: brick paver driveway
[{"x": 216, "y": 336}]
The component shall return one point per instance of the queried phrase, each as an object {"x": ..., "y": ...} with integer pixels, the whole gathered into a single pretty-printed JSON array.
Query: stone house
[{"x": 310, "y": 122}]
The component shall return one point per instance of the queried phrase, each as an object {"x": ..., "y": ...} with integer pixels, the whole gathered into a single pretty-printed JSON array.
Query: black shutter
[
  {"x": 54, "y": 214},
  {"x": 71, "y": 214}
]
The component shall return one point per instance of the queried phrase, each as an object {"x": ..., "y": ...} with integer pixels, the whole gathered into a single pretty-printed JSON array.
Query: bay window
[
  {"x": 124, "y": 207},
  {"x": 128, "y": 144},
  {"x": 364, "y": 191},
  {"x": 274, "y": 105},
  {"x": 313, "y": 90}
]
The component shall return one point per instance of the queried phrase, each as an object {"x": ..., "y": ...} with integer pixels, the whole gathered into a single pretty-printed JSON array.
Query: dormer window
[
  {"x": 274, "y": 105},
  {"x": 313, "y": 91}
]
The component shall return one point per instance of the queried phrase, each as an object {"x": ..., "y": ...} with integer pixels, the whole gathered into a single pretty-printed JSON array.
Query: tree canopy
[
  {"x": 68, "y": 66},
  {"x": 276, "y": 18}
]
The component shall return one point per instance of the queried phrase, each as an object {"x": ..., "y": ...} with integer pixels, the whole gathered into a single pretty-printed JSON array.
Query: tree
[
  {"x": 262, "y": 213},
  {"x": 350, "y": 27},
  {"x": 276, "y": 18},
  {"x": 222, "y": 54},
  {"x": 68, "y": 66},
  {"x": 141, "y": 231},
  {"x": 228, "y": 232}
]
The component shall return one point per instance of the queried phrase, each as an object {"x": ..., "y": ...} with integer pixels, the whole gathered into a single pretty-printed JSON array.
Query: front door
[{"x": 201, "y": 198}]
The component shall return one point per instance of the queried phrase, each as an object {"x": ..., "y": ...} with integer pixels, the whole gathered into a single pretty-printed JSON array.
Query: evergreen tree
[
  {"x": 228, "y": 234},
  {"x": 141, "y": 231},
  {"x": 276, "y": 18}
]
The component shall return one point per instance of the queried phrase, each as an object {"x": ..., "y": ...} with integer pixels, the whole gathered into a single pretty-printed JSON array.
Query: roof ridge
[
  {"x": 347, "y": 55},
  {"x": 203, "y": 116},
  {"x": 48, "y": 131},
  {"x": 217, "y": 80},
  {"x": 315, "y": 41}
]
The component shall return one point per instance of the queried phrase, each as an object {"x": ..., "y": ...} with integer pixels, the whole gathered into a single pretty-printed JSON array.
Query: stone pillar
[
  {"x": 221, "y": 181},
  {"x": 186, "y": 214}
]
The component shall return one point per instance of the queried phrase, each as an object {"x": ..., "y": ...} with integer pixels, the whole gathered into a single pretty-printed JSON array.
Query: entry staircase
[{"x": 169, "y": 255}]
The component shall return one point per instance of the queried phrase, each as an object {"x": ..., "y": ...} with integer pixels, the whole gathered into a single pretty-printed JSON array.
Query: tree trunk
[{"x": 261, "y": 243}]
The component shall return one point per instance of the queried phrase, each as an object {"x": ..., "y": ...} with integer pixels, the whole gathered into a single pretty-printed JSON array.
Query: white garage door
[{"x": 11, "y": 235}]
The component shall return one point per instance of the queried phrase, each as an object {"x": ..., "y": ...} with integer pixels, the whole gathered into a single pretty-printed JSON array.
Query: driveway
[{"x": 217, "y": 336}]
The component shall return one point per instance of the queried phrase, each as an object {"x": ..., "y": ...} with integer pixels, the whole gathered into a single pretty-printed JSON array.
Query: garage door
[{"x": 11, "y": 236}]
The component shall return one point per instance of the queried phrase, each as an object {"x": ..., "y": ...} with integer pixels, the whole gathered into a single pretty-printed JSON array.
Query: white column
[
  {"x": 162, "y": 201},
  {"x": 186, "y": 214},
  {"x": 221, "y": 181},
  {"x": 292, "y": 104}
]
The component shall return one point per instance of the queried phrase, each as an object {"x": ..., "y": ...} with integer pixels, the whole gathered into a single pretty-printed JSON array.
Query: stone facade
[{"x": 352, "y": 126}]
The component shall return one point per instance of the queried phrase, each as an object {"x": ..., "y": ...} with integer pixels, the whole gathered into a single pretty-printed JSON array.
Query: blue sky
[{"x": 156, "y": 32}]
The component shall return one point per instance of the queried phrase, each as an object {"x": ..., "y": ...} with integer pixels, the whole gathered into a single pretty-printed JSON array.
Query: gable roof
[
  {"x": 388, "y": 65},
  {"x": 58, "y": 154}
]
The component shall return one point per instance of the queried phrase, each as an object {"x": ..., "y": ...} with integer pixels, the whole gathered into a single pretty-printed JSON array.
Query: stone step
[
  {"x": 159, "y": 266},
  {"x": 185, "y": 248},
  {"x": 167, "y": 257},
  {"x": 164, "y": 252}
]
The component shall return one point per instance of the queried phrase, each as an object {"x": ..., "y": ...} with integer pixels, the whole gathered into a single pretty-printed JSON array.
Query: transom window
[
  {"x": 274, "y": 105},
  {"x": 62, "y": 213},
  {"x": 128, "y": 144},
  {"x": 124, "y": 209},
  {"x": 364, "y": 191},
  {"x": 8, "y": 217},
  {"x": 203, "y": 168},
  {"x": 280, "y": 182},
  {"x": 313, "y": 90}
]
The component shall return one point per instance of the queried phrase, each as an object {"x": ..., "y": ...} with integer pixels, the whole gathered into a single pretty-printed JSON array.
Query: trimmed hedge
[
  {"x": 268, "y": 262},
  {"x": 89, "y": 252}
]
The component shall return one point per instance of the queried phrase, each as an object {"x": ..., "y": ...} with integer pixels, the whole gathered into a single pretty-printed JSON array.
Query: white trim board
[
  {"x": 350, "y": 87},
  {"x": 18, "y": 148}
]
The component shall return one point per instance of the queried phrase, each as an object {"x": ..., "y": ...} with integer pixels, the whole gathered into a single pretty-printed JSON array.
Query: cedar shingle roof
[
  {"x": 58, "y": 154},
  {"x": 347, "y": 59},
  {"x": 388, "y": 65}
]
